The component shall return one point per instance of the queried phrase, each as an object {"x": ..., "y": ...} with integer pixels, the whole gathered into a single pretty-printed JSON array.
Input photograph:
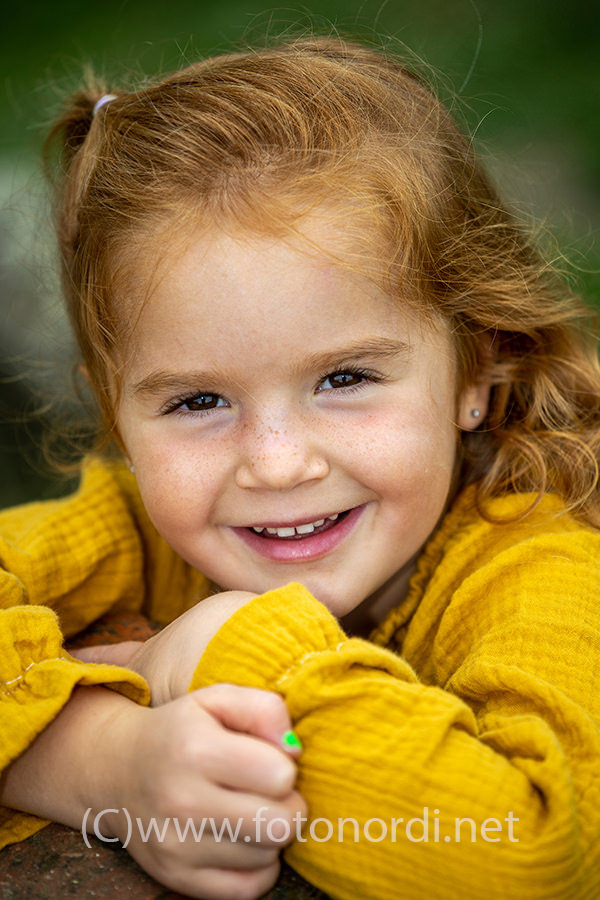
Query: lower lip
[{"x": 313, "y": 546}]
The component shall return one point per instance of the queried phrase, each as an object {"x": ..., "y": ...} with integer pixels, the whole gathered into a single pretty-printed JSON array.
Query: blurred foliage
[{"x": 526, "y": 72}]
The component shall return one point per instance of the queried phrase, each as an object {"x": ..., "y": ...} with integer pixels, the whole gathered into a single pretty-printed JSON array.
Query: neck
[{"x": 373, "y": 610}]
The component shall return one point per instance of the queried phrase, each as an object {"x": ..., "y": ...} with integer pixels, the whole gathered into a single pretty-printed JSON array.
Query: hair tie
[{"x": 106, "y": 98}]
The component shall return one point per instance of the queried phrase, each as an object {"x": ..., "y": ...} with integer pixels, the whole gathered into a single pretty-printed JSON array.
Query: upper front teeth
[{"x": 289, "y": 530}]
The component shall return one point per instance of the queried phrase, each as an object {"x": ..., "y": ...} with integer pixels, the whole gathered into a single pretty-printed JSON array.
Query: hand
[
  {"x": 211, "y": 757},
  {"x": 234, "y": 779},
  {"x": 169, "y": 659}
]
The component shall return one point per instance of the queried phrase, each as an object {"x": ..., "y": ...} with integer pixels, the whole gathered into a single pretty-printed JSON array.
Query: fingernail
[{"x": 291, "y": 741}]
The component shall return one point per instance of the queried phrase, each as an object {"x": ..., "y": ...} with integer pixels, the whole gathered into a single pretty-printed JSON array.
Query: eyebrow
[{"x": 372, "y": 349}]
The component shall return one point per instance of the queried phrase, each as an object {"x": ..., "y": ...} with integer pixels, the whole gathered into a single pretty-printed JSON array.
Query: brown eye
[
  {"x": 343, "y": 379},
  {"x": 194, "y": 404},
  {"x": 202, "y": 402}
]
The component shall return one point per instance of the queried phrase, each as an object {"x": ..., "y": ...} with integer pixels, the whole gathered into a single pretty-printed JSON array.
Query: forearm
[{"x": 63, "y": 772}]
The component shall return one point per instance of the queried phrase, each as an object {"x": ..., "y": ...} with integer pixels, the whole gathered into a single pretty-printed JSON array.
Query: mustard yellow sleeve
[
  {"x": 63, "y": 564},
  {"x": 93, "y": 552},
  {"x": 81, "y": 555},
  {"x": 489, "y": 799},
  {"x": 37, "y": 677}
]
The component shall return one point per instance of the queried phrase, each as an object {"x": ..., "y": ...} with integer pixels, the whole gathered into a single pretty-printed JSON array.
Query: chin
[{"x": 338, "y": 602}]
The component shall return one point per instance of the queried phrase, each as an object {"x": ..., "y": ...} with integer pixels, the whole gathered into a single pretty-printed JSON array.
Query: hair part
[{"x": 263, "y": 138}]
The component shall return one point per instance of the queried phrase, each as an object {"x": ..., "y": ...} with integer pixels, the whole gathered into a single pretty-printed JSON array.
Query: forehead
[
  {"x": 332, "y": 234},
  {"x": 266, "y": 298}
]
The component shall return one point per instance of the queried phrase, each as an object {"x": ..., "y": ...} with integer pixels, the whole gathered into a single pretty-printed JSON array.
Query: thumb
[{"x": 254, "y": 711}]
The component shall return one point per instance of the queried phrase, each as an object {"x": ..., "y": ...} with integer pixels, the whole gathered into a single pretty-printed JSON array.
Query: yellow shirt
[{"x": 461, "y": 745}]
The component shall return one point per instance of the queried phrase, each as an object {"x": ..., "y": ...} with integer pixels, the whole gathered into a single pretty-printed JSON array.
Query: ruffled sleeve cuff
[
  {"x": 268, "y": 640},
  {"x": 37, "y": 677}
]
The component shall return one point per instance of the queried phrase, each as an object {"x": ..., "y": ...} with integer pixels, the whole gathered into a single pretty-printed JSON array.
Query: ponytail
[{"x": 72, "y": 128}]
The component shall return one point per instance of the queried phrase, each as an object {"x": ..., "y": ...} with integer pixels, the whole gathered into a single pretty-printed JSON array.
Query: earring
[{"x": 475, "y": 413}]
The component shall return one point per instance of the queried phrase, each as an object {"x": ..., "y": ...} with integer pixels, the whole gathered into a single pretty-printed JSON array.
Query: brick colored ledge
[{"x": 55, "y": 864}]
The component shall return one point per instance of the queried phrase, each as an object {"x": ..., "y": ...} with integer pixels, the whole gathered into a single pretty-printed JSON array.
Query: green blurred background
[{"x": 527, "y": 72}]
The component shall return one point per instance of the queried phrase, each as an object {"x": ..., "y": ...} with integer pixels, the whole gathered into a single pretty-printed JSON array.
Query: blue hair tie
[{"x": 106, "y": 98}]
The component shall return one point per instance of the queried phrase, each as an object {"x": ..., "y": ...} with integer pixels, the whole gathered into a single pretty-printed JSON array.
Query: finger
[
  {"x": 237, "y": 817},
  {"x": 223, "y": 884},
  {"x": 112, "y": 654},
  {"x": 211, "y": 844},
  {"x": 202, "y": 751},
  {"x": 250, "y": 710},
  {"x": 276, "y": 826},
  {"x": 260, "y": 822},
  {"x": 220, "y": 884},
  {"x": 245, "y": 763}
]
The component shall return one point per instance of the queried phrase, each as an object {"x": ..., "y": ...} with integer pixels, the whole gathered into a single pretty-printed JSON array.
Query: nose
[{"x": 278, "y": 457}]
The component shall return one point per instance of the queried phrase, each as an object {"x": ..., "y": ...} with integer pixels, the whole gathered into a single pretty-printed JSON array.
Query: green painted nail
[{"x": 291, "y": 741}]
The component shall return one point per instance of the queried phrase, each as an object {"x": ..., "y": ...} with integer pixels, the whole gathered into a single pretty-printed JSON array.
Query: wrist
[
  {"x": 69, "y": 767},
  {"x": 112, "y": 760}
]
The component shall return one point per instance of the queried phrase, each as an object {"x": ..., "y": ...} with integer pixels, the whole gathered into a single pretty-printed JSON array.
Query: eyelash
[
  {"x": 366, "y": 375},
  {"x": 175, "y": 406}
]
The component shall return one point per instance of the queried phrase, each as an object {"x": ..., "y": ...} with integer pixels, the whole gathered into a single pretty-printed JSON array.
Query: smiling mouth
[{"x": 297, "y": 532}]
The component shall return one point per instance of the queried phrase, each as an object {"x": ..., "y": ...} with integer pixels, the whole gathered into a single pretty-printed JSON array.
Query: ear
[
  {"x": 473, "y": 405},
  {"x": 474, "y": 400}
]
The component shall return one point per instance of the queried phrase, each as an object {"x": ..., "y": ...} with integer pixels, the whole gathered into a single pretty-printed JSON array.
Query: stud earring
[{"x": 475, "y": 413}]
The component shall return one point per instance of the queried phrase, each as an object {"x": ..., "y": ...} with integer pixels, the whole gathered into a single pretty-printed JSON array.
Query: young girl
[{"x": 349, "y": 393}]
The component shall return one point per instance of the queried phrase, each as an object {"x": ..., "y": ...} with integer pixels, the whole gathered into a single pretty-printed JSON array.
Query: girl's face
[{"x": 287, "y": 421}]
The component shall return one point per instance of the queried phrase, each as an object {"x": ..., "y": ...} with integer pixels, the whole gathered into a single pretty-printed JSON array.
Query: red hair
[{"x": 260, "y": 137}]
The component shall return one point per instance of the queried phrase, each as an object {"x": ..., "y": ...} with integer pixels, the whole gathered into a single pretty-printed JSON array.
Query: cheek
[
  {"x": 403, "y": 446},
  {"x": 178, "y": 485}
]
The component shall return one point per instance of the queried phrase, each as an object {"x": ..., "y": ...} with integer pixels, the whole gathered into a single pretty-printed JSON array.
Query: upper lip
[{"x": 293, "y": 523}]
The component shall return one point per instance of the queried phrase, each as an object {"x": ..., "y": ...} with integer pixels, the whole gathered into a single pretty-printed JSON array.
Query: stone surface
[{"x": 55, "y": 864}]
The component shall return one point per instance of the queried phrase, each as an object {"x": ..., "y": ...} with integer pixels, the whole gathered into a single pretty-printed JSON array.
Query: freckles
[
  {"x": 377, "y": 452},
  {"x": 169, "y": 476},
  {"x": 405, "y": 452},
  {"x": 359, "y": 443}
]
